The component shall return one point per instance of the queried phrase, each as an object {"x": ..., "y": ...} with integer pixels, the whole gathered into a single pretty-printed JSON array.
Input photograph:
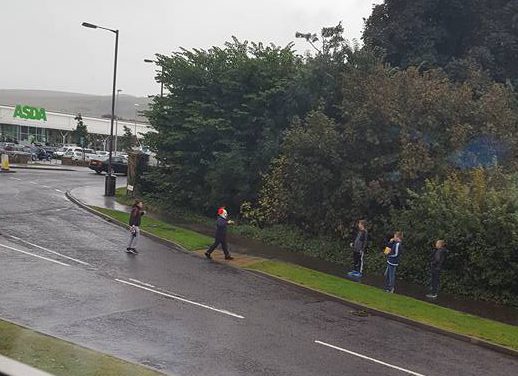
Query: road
[{"x": 64, "y": 272}]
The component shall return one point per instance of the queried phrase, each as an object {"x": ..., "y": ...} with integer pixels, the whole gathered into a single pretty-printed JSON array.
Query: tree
[
  {"x": 80, "y": 134},
  {"x": 221, "y": 122},
  {"x": 127, "y": 141},
  {"x": 399, "y": 129},
  {"x": 437, "y": 33}
]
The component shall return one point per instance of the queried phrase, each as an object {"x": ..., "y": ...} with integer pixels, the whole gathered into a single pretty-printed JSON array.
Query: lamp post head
[
  {"x": 149, "y": 61},
  {"x": 91, "y": 26}
]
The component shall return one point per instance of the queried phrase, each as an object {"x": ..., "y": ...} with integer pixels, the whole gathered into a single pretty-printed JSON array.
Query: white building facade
[{"x": 28, "y": 124}]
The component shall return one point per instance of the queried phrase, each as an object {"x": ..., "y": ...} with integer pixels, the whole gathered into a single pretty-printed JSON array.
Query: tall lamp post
[
  {"x": 161, "y": 73},
  {"x": 117, "y": 123},
  {"x": 109, "y": 184}
]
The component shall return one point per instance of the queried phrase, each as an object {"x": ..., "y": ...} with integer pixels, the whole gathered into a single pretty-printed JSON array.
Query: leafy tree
[
  {"x": 127, "y": 141},
  {"x": 438, "y": 33},
  {"x": 221, "y": 122},
  {"x": 80, "y": 134},
  {"x": 400, "y": 128}
]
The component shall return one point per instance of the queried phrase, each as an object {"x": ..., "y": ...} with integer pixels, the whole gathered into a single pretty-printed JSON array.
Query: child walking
[
  {"x": 134, "y": 222},
  {"x": 220, "y": 237}
]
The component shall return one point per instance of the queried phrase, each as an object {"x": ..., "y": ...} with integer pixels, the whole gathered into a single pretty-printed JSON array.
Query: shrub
[{"x": 477, "y": 214}]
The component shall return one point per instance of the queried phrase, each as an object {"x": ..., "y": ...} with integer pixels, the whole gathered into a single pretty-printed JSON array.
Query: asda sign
[{"x": 29, "y": 112}]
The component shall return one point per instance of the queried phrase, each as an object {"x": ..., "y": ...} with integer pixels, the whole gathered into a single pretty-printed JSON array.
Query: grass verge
[
  {"x": 59, "y": 357},
  {"x": 186, "y": 238},
  {"x": 431, "y": 314}
]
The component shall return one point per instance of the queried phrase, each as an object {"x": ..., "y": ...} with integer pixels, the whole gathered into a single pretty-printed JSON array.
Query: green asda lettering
[{"x": 28, "y": 112}]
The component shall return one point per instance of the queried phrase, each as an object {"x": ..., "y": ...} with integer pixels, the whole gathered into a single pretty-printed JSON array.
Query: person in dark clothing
[
  {"x": 220, "y": 236},
  {"x": 359, "y": 246},
  {"x": 134, "y": 222},
  {"x": 437, "y": 257},
  {"x": 393, "y": 253}
]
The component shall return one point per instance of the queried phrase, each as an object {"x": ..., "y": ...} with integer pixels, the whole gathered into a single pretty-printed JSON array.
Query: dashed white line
[
  {"x": 369, "y": 358},
  {"x": 34, "y": 255},
  {"x": 45, "y": 186},
  {"x": 15, "y": 178},
  {"x": 142, "y": 283},
  {"x": 33, "y": 182},
  {"x": 50, "y": 251},
  {"x": 58, "y": 190},
  {"x": 225, "y": 312}
]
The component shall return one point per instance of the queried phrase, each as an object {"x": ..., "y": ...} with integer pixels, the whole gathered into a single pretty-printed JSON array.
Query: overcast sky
[{"x": 44, "y": 46}]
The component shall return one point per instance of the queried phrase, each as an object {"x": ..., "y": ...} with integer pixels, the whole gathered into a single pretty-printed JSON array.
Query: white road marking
[
  {"x": 142, "y": 283},
  {"x": 33, "y": 182},
  {"x": 183, "y": 300},
  {"x": 45, "y": 186},
  {"x": 34, "y": 255},
  {"x": 58, "y": 190},
  {"x": 369, "y": 358},
  {"x": 50, "y": 251},
  {"x": 15, "y": 178}
]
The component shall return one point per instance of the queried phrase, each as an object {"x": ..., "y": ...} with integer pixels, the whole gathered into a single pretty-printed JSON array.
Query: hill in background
[{"x": 72, "y": 103}]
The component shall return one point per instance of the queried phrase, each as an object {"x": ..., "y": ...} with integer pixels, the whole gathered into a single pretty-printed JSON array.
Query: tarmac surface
[{"x": 64, "y": 272}]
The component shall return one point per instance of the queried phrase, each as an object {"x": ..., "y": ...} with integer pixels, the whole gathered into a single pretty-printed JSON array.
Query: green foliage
[
  {"x": 221, "y": 122},
  {"x": 400, "y": 128},
  {"x": 127, "y": 141},
  {"x": 477, "y": 215},
  {"x": 438, "y": 33}
]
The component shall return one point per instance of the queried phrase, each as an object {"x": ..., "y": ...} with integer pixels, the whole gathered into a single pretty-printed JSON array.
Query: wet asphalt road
[{"x": 184, "y": 315}]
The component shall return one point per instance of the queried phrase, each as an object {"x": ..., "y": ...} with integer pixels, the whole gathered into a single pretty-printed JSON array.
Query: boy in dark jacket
[
  {"x": 134, "y": 223},
  {"x": 221, "y": 235},
  {"x": 393, "y": 256},
  {"x": 359, "y": 246},
  {"x": 437, "y": 257}
]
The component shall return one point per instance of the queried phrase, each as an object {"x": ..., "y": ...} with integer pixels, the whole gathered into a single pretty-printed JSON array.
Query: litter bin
[{"x": 109, "y": 185}]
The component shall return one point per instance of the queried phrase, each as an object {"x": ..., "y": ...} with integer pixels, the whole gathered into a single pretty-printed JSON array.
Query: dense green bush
[{"x": 477, "y": 214}]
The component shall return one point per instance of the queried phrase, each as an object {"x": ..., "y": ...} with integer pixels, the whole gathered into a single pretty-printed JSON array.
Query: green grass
[
  {"x": 59, "y": 357},
  {"x": 440, "y": 317},
  {"x": 186, "y": 238},
  {"x": 122, "y": 198}
]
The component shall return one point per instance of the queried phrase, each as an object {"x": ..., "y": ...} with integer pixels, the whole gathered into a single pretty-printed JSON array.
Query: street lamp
[
  {"x": 109, "y": 185},
  {"x": 161, "y": 75},
  {"x": 117, "y": 123}
]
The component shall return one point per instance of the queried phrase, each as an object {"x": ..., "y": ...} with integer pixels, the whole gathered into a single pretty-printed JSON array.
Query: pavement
[{"x": 64, "y": 272}]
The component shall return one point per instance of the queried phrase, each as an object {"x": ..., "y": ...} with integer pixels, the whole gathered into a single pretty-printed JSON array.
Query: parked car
[
  {"x": 74, "y": 155},
  {"x": 61, "y": 152},
  {"x": 89, "y": 154},
  {"x": 28, "y": 149},
  {"x": 50, "y": 151},
  {"x": 119, "y": 165},
  {"x": 101, "y": 155}
]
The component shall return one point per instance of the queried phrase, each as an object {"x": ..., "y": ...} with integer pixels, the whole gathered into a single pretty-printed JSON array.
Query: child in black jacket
[{"x": 437, "y": 257}]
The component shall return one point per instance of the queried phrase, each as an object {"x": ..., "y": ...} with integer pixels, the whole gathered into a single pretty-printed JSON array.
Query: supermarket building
[{"x": 27, "y": 124}]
